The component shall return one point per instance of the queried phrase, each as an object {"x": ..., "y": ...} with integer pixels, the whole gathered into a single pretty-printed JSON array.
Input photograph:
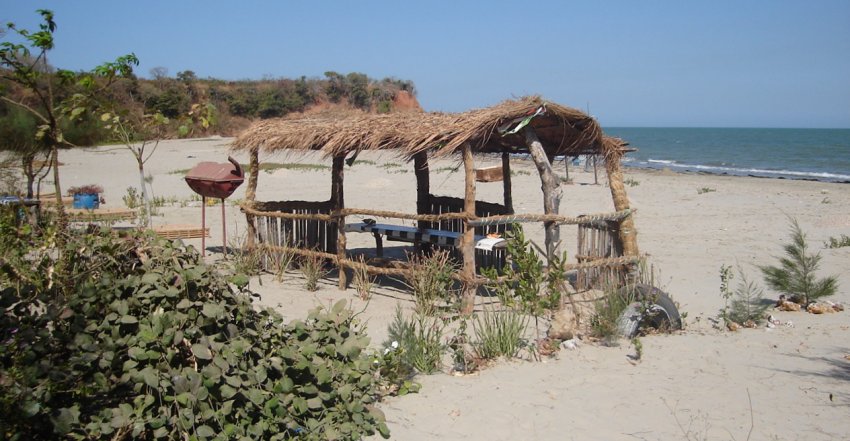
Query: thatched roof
[{"x": 562, "y": 130}]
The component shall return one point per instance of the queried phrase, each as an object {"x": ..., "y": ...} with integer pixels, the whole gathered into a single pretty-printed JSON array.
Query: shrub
[
  {"x": 430, "y": 279},
  {"x": 313, "y": 269},
  {"x": 744, "y": 303},
  {"x": 419, "y": 339},
  {"x": 841, "y": 242},
  {"x": 138, "y": 338},
  {"x": 363, "y": 281},
  {"x": 795, "y": 275},
  {"x": 608, "y": 312},
  {"x": 498, "y": 333},
  {"x": 86, "y": 189}
]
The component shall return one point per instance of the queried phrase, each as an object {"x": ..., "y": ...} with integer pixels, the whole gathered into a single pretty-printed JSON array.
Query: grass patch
[
  {"x": 389, "y": 165},
  {"x": 445, "y": 170},
  {"x": 520, "y": 173},
  {"x": 179, "y": 171},
  {"x": 705, "y": 190},
  {"x": 364, "y": 162},
  {"x": 270, "y": 167},
  {"x": 419, "y": 340},
  {"x": 498, "y": 333},
  {"x": 631, "y": 182}
]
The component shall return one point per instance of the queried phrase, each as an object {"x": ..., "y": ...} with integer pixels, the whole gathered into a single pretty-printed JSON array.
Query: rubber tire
[{"x": 663, "y": 312}]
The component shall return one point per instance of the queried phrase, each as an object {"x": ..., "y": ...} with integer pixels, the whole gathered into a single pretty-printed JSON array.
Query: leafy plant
[
  {"x": 743, "y": 304},
  {"x": 498, "y": 333},
  {"x": 840, "y": 242},
  {"x": 420, "y": 340},
  {"x": 142, "y": 340},
  {"x": 631, "y": 182},
  {"x": 795, "y": 275},
  {"x": 430, "y": 279},
  {"x": 132, "y": 199},
  {"x": 532, "y": 289}
]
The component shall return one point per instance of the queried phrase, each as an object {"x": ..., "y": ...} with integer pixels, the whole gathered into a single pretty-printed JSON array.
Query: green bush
[
  {"x": 795, "y": 275},
  {"x": 137, "y": 338},
  {"x": 498, "y": 333},
  {"x": 419, "y": 339},
  {"x": 744, "y": 303}
]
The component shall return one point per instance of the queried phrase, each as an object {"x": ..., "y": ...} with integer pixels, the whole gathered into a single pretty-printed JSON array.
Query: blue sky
[{"x": 633, "y": 63}]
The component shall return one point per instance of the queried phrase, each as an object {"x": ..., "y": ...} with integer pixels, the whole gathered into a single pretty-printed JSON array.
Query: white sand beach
[{"x": 791, "y": 382}]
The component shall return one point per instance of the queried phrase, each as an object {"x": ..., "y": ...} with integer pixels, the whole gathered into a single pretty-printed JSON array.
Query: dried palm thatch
[{"x": 562, "y": 131}]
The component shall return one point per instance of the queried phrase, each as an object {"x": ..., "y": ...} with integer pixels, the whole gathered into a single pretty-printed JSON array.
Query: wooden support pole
[
  {"x": 628, "y": 234},
  {"x": 551, "y": 191},
  {"x": 567, "y": 167},
  {"x": 506, "y": 181},
  {"x": 423, "y": 186},
  {"x": 468, "y": 241},
  {"x": 251, "y": 194},
  {"x": 338, "y": 200}
]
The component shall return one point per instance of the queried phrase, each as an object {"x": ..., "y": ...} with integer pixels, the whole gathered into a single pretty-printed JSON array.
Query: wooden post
[
  {"x": 468, "y": 241},
  {"x": 251, "y": 194},
  {"x": 338, "y": 200},
  {"x": 595, "y": 170},
  {"x": 567, "y": 166},
  {"x": 628, "y": 235},
  {"x": 423, "y": 186},
  {"x": 551, "y": 191},
  {"x": 506, "y": 181}
]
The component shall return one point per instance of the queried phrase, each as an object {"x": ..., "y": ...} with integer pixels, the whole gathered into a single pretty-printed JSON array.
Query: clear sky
[{"x": 633, "y": 63}]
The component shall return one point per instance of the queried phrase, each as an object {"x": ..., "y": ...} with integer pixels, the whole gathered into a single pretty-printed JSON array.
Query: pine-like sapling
[{"x": 795, "y": 275}]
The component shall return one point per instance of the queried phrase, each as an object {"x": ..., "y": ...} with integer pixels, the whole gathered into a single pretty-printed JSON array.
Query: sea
[{"x": 810, "y": 154}]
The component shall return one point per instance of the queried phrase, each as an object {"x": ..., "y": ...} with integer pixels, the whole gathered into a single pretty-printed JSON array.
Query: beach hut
[{"x": 530, "y": 125}]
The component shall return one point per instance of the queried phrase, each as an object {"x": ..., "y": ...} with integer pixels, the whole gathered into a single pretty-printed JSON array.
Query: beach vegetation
[
  {"x": 520, "y": 173},
  {"x": 631, "y": 182},
  {"x": 56, "y": 99},
  {"x": 420, "y": 339},
  {"x": 837, "y": 242},
  {"x": 743, "y": 304},
  {"x": 533, "y": 289},
  {"x": 795, "y": 275},
  {"x": 140, "y": 339},
  {"x": 390, "y": 165},
  {"x": 498, "y": 333},
  {"x": 430, "y": 280},
  {"x": 704, "y": 190},
  {"x": 608, "y": 311},
  {"x": 363, "y": 281},
  {"x": 313, "y": 269}
]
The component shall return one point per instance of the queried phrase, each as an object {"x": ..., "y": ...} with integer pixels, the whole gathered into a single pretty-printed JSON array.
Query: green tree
[
  {"x": 795, "y": 275},
  {"x": 17, "y": 136},
  {"x": 26, "y": 64}
]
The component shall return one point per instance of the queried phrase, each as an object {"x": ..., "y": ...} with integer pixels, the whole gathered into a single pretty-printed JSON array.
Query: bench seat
[{"x": 420, "y": 235}]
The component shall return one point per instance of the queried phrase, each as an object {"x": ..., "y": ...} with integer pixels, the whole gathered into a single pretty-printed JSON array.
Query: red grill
[{"x": 215, "y": 179}]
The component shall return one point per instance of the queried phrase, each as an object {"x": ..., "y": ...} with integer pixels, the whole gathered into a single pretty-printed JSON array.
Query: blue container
[{"x": 86, "y": 201}]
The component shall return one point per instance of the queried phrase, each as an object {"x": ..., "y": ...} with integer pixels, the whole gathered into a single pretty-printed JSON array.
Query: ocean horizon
[{"x": 785, "y": 153}]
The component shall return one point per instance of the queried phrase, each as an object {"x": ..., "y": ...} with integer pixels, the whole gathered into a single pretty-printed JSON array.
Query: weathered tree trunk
[
  {"x": 251, "y": 194},
  {"x": 551, "y": 191},
  {"x": 61, "y": 215},
  {"x": 29, "y": 173},
  {"x": 146, "y": 219},
  {"x": 338, "y": 199},
  {"x": 628, "y": 235},
  {"x": 423, "y": 185},
  {"x": 506, "y": 181},
  {"x": 468, "y": 241}
]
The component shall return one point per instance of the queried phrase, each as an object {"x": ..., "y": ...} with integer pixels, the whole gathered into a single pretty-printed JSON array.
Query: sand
[{"x": 790, "y": 382}]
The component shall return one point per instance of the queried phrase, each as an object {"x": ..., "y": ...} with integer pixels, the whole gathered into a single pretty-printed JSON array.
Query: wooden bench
[{"x": 419, "y": 236}]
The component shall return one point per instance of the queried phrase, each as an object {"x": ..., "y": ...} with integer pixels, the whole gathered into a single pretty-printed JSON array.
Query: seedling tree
[
  {"x": 26, "y": 64},
  {"x": 795, "y": 275},
  {"x": 140, "y": 134}
]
